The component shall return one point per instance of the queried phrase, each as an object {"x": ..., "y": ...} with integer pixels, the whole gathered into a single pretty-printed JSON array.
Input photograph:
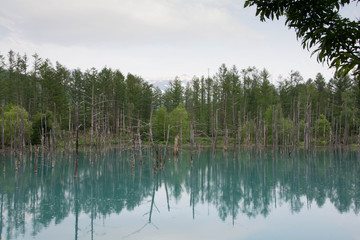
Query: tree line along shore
[{"x": 48, "y": 107}]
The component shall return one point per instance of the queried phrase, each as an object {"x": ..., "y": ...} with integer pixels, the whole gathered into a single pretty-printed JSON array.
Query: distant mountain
[{"x": 164, "y": 84}]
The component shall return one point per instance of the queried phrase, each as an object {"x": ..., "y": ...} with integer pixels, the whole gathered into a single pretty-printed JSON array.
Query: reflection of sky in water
[
  {"x": 291, "y": 214},
  {"x": 313, "y": 223}
]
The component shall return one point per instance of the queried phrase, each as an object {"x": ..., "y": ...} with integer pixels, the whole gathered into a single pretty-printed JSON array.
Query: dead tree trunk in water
[
  {"x": 3, "y": 135},
  {"x": 192, "y": 132},
  {"x": 331, "y": 141},
  {"x": 308, "y": 127},
  {"x": 77, "y": 139},
  {"x": 139, "y": 139},
  {"x": 176, "y": 143},
  {"x": 275, "y": 128},
  {"x": 324, "y": 131},
  {"x": 239, "y": 131},
  {"x": 70, "y": 132},
  {"x": 298, "y": 123},
  {"x": 92, "y": 124},
  {"x": 42, "y": 137},
  {"x": 191, "y": 141},
  {"x": 84, "y": 124},
  {"x": 226, "y": 131},
  {"x": 181, "y": 127},
  {"x": 54, "y": 129},
  {"x": 167, "y": 142},
  {"x": 133, "y": 147},
  {"x": 215, "y": 130},
  {"x": 233, "y": 124},
  {"x": 23, "y": 146},
  {"x": 359, "y": 134},
  {"x": 346, "y": 130},
  {"x": 150, "y": 132},
  {"x": 3, "y": 128}
]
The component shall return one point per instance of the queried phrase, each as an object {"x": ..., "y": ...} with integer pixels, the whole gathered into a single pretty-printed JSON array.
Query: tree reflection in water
[{"x": 246, "y": 183}]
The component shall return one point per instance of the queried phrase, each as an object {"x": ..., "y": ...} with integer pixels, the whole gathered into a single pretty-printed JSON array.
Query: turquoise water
[{"x": 244, "y": 195}]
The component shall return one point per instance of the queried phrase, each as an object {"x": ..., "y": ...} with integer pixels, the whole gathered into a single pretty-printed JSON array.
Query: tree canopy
[
  {"x": 239, "y": 106},
  {"x": 318, "y": 23}
]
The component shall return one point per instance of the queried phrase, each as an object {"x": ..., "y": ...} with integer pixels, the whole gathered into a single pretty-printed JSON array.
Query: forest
[{"x": 49, "y": 106}]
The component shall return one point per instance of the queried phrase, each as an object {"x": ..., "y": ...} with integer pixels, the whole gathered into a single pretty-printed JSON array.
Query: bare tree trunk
[
  {"x": 273, "y": 127},
  {"x": 70, "y": 132},
  {"x": 260, "y": 128},
  {"x": 265, "y": 135},
  {"x": 331, "y": 142},
  {"x": 77, "y": 139},
  {"x": 181, "y": 127},
  {"x": 215, "y": 131},
  {"x": 167, "y": 143},
  {"x": 324, "y": 136},
  {"x": 42, "y": 136},
  {"x": 45, "y": 135},
  {"x": 339, "y": 137},
  {"x": 308, "y": 126},
  {"x": 3, "y": 135},
  {"x": 176, "y": 143},
  {"x": 276, "y": 128},
  {"x": 120, "y": 131},
  {"x": 36, "y": 159},
  {"x": 84, "y": 126},
  {"x": 336, "y": 134},
  {"x": 234, "y": 128},
  {"x": 191, "y": 141},
  {"x": 133, "y": 147},
  {"x": 117, "y": 114},
  {"x": 294, "y": 124},
  {"x": 255, "y": 133},
  {"x": 239, "y": 130},
  {"x": 283, "y": 141},
  {"x": 3, "y": 128},
  {"x": 316, "y": 124},
  {"x": 298, "y": 122},
  {"x": 150, "y": 132},
  {"x": 346, "y": 130},
  {"x": 17, "y": 133},
  {"x": 124, "y": 122},
  {"x": 54, "y": 130},
  {"x": 92, "y": 123},
  {"x": 226, "y": 136},
  {"x": 95, "y": 127},
  {"x": 354, "y": 125},
  {"x": 192, "y": 132},
  {"x": 139, "y": 139},
  {"x": 359, "y": 134},
  {"x": 22, "y": 126},
  {"x": 226, "y": 131}
]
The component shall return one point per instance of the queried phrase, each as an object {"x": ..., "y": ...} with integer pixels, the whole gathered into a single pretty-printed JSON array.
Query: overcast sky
[{"x": 155, "y": 39}]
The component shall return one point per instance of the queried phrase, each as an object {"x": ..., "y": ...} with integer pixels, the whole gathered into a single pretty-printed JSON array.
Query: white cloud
[
  {"x": 157, "y": 39},
  {"x": 123, "y": 22}
]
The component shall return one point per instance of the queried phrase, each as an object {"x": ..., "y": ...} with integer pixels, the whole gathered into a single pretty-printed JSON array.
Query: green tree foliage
[
  {"x": 322, "y": 128},
  {"x": 41, "y": 125},
  {"x": 180, "y": 123},
  {"x": 243, "y": 105},
  {"x": 13, "y": 122},
  {"x": 336, "y": 39},
  {"x": 160, "y": 124},
  {"x": 52, "y": 87},
  {"x": 173, "y": 95}
]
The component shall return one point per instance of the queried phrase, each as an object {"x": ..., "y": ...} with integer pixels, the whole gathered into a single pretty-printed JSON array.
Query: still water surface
[{"x": 230, "y": 196}]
